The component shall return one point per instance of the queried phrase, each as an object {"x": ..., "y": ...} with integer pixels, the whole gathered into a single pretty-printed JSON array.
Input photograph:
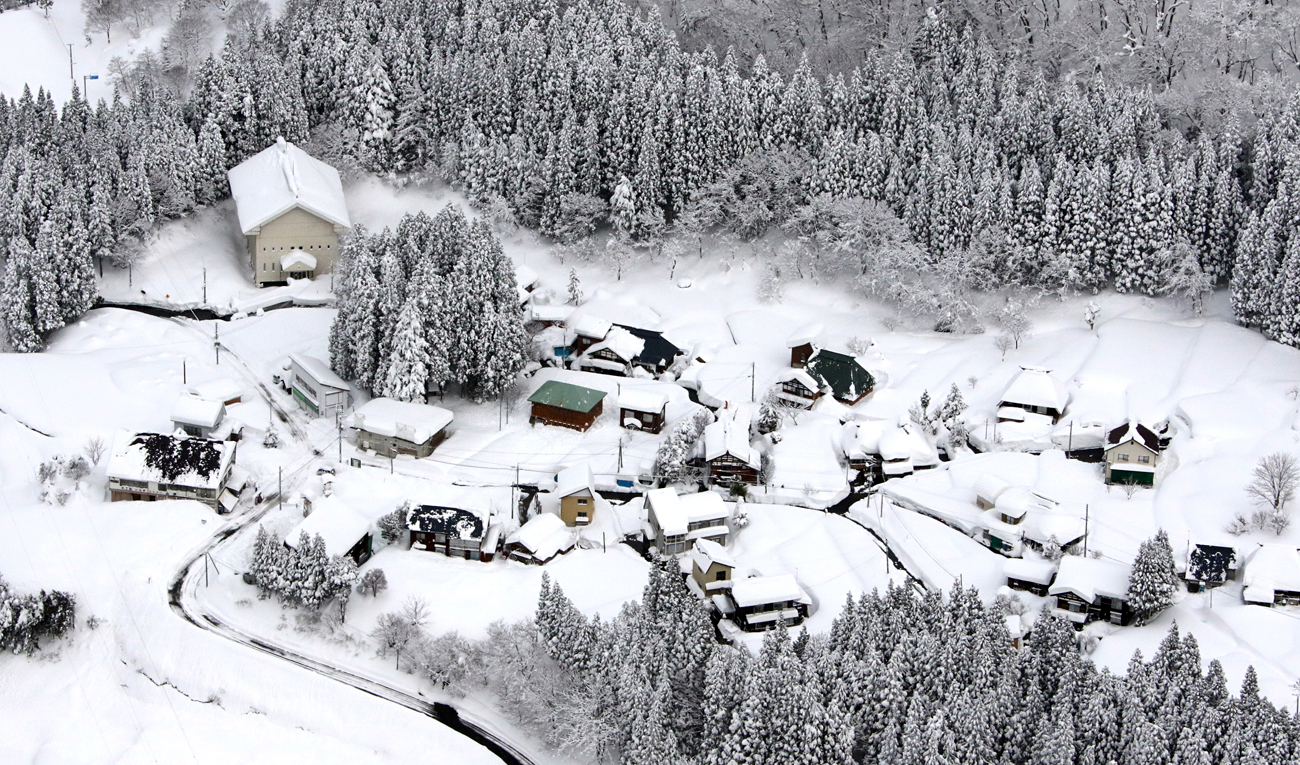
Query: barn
[{"x": 566, "y": 405}]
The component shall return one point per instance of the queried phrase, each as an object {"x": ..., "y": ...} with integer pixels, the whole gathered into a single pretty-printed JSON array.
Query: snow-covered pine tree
[
  {"x": 1153, "y": 579},
  {"x": 408, "y": 363}
]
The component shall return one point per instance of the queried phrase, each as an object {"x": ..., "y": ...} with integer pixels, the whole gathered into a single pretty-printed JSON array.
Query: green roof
[
  {"x": 848, "y": 379},
  {"x": 565, "y": 396}
]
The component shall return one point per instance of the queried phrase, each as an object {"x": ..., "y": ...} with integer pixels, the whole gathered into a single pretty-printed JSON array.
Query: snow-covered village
[{"x": 652, "y": 383}]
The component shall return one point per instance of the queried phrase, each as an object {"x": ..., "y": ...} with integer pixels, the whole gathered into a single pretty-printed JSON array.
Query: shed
[
  {"x": 711, "y": 566},
  {"x": 566, "y": 405},
  {"x": 316, "y": 387},
  {"x": 390, "y": 427},
  {"x": 343, "y": 529},
  {"x": 802, "y": 343},
  {"x": 225, "y": 390},
  {"x": 641, "y": 409},
  {"x": 291, "y": 211},
  {"x": 197, "y": 416},
  {"x": 549, "y": 315},
  {"x": 1029, "y": 575}
]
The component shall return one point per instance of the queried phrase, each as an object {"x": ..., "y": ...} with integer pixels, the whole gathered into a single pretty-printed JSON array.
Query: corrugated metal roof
[
  {"x": 846, "y": 376},
  {"x": 565, "y": 396}
]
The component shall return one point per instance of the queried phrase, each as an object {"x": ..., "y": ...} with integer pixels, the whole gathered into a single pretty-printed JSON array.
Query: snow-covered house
[
  {"x": 1132, "y": 453},
  {"x": 316, "y": 387},
  {"x": 613, "y": 355},
  {"x": 575, "y": 487},
  {"x": 526, "y": 279},
  {"x": 1029, "y": 574},
  {"x": 1033, "y": 391},
  {"x": 543, "y": 316},
  {"x": 454, "y": 532},
  {"x": 988, "y": 487},
  {"x": 291, "y": 211},
  {"x": 226, "y": 390},
  {"x": 1271, "y": 576},
  {"x": 152, "y": 466},
  {"x": 902, "y": 450},
  {"x": 1090, "y": 589},
  {"x": 797, "y": 388},
  {"x": 343, "y": 530},
  {"x": 642, "y": 409},
  {"x": 390, "y": 427},
  {"x": 586, "y": 332},
  {"x": 541, "y": 539},
  {"x": 802, "y": 344},
  {"x": 566, "y": 405},
  {"x": 1209, "y": 566},
  {"x": 657, "y": 352},
  {"x": 729, "y": 458},
  {"x": 760, "y": 603},
  {"x": 711, "y": 566},
  {"x": 678, "y": 521},
  {"x": 1020, "y": 517},
  {"x": 845, "y": 376},
  {"x": 197, "y": 416}
]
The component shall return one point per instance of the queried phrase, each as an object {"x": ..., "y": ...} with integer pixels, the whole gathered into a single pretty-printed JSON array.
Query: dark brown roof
[{"x": 1141, "y": 433}]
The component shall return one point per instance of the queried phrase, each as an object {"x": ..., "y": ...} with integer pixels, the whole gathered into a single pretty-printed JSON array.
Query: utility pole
[
  {"x": 753, "y": 368},
  {"x": 71, "y": 76},
  {"x": 1087, "y": 516},
  {"x": 1070, "y": 444},
  {"x": 338, "y": 420},
  {"x": 280, "y": 485},
  {"x": 185, "y": 380},
  {"x": 216, "y": 341},
  {"x": 620, "y": 455},
  {"x": 205, "y": 286}
]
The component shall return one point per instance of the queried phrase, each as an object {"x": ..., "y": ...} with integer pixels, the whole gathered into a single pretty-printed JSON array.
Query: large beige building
[{"x": 291, "y": 212}]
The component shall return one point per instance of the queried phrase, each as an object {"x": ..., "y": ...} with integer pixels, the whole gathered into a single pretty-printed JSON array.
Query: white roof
[
  {"x": 416, "y": 423},
  {"x": 902, "y": 443},
  {"x": 223, "y": 389},
  {"x": 550, "y": 312},
  {"x": 723, "y": 437},
  {"x": 1089, "y": 578},
  {"x": 804, "y": 379},
  {"x": 1275, "y": 566},
  {"x": 297, "y": 260},
  {"x": 336, "y": 522},
  {"x": 1034, "y": 386},
  {"x": 525, "y": 277},
  {"x": 624, "y": 344},
  {"x": 1015, "y": 501},
  {"x": 1029, "y": 570},
  {"x": 128, "y": 461},
  {"x": 592, "y": 326},
  {"x": 990, "y": 486},
  {"x": 544, "y": 535},
  {"x": 703, "y": 506},
  {"x": 761, "y": 590},
  {"x": 863, "y": 438},
  {"x": 666, "y": 508},
  {"x": 192, "y": 410},
  {"x": 280, "y": 178},
  {"x": 574, "y": 479},
  {"x": 707, "y": 552},
  {"x": 804, "y": 335},
  {"x": 319, "y": 371},
  {"x": 642, "y": 400}
]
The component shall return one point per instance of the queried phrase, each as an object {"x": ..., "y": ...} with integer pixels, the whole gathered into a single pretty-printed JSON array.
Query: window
[
  {"x": 1123, "y": 458},
  {"x": 582, "y": 502},
  {"x": 721, "y": 576},
  {"x": 647, "y": 417},
  {"x": 1145, "y": 459},
  {"x": 583, "y": 517}
]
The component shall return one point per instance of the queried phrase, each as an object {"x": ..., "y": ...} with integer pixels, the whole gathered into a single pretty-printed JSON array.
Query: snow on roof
[
  {"x": 1089, "y": 578},
  {"x": 863, "y": 438},
  {"x": 338, "y": 524},
  {"x": 525, "y": 277},
  {"x": 567, "y": 396},
  {"x": 799, "y": 376},
  {"x": 1029, "y": 570},
  {"x": 704, "y": 506},
  {"x": 1211, "y": 563},
  {"x": 1015, "y": 501},
  {"x": 622, "y": 343},
  {"x": 573, "y": 479},
  {"x": 990, "y": 486},
  {"x": 725, "y": 437},
  {"x": 280, "y": 178},
  {"x": 184, "y": 460},
  {"x": 1034, "y": 386},
  {"x": 1275, "y": 566},
  {"x": 666, "y": 508},
  {"x": 901, "y": 443},
  {"x": 319, "y": 371},
  {"x": 550, "y": 312},
  {"x": 223, "y": 389},
  {"x": 1132, "y": 432},
  {"x": 544, "y": 535},
  {"x": 641, "y": 400},
  {"x": 809, "y": 333},
  {"x": 1259, "y": 593},
  {"x": 455, "y": 522},
  {"x": 592, "y": 326},
  {"x": 416, "y": 423},
  {"x": 1044, "y": 524},
  {"x": 297, "y": 260},
  {"x": 707, "y": 552},
  {"x": 200, "y": 412},
  {"x": 762, "y": 590}
]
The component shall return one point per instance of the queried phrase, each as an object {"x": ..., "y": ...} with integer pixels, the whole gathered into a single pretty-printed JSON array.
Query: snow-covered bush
[
  {"x": 26, "y": 619},
  {"x": 393, "y": 526},
  {"x": 373, "y": 581}
]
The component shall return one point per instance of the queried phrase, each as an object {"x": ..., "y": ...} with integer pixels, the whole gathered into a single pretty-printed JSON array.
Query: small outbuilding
[
  {"x": 454, "y": 532},
  {"x": 575, "y": 486},
  {"x": 641, "y": 409},
  {"x": 225, "y": 390},
  {"x": 343, "y": 529},
  {"x": 1132, "y": 452},
  {"x": 316, "y": 387},
  {"x": 390, "y": 427},
  {"x": 566, "y": 405},
  {"x": 803, "y": 343},
  {"x": 1029, "y": 575},
  {"x": 711, "y": 566},
  {"x": 540, "y": 540},
  {"x": 197, "y": 416}
]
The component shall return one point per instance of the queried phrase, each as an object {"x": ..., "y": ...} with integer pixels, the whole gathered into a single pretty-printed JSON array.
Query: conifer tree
[{"x": 1153, "y": 580}]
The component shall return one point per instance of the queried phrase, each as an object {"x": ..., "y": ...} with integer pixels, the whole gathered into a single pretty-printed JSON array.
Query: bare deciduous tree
[
  {"x": 94, "y": 449},
  {"x": 1272, "y": 489}
]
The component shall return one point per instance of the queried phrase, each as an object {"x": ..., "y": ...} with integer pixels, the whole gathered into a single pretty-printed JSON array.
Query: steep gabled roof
[
  {"x": 657, "y": 349},
  {"x": 621, "y": 343},
  {"x": 1133, "y": 432},
  {"x": 280, "y": 178},
  {"x": 845, "y": 375},
  {"x": 1035, "y": 386},
  {"x": 1211, "y": 563}
]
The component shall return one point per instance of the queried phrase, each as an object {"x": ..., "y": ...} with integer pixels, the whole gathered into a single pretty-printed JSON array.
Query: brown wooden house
[
  {"x": 728, "y": 455},
  {"x": 454, "y": 532},
  {"x": 642, "y": 409},
  {"x": 803, "y": 344},
  {"x": 566, "y": 405}
]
